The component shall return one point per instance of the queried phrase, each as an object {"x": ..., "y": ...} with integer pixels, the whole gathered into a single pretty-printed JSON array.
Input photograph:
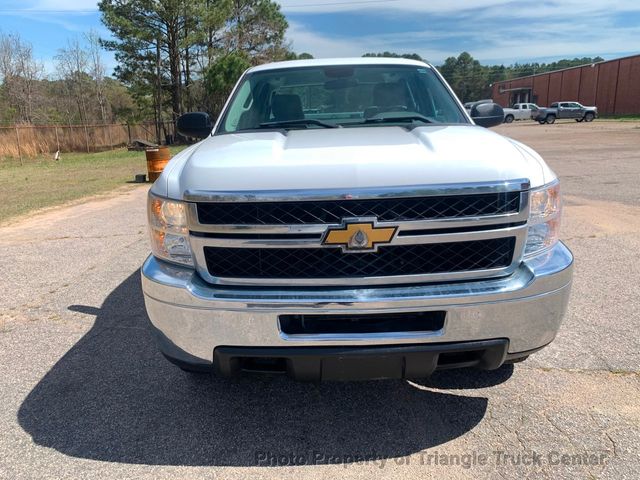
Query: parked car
[
  {"x": 347, "y": 219},
  {"x": 520, "y": 111},
  {"x": 566, "y": 110}
]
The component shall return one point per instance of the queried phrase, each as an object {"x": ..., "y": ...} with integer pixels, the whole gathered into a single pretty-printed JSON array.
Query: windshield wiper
[
  {"x": 301, "y": 121},
  {"x": 399, "y": 118}
]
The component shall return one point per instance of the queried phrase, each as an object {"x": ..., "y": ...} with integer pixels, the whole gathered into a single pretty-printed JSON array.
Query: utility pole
[{"x": 19, "y": 148}]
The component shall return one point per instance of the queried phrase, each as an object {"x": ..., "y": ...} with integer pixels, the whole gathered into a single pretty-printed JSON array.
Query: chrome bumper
[{"x": 192, "y": 317}]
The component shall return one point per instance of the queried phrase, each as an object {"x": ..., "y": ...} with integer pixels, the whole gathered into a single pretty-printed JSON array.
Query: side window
[
  {"x": 525, "y": 107},
  {"x": 435, "y": 101},
  {"x": 243, "y": 104}
]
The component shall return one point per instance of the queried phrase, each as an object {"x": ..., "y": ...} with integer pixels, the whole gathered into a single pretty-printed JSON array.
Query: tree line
[
  {"x": 184, "y": 55},
  {"x": 172, "y": 56},
  {"x": 78, "y": 92},
  {"x": 472, "y": 81}
]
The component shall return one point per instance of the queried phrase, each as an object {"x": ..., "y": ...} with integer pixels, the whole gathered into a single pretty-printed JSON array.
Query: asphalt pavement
[{"x": 85, "y": 393}]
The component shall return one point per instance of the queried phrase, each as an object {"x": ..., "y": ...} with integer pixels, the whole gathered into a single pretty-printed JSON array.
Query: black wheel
[
  {"x": 508, "y": 119},
  {"x": 542, "y": 122},
  {"x": 579, "y": 119},
  {"x": 588, "y": 117},
  {"x": 551, "y": 118}
]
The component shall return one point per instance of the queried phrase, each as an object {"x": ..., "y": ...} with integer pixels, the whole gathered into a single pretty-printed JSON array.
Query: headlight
[
  {"x": 544, "y": 218},
  {"x": 169, "y": 231}
]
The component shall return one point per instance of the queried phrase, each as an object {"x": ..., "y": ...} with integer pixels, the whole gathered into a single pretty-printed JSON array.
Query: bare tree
[
  {"x": 73, "y": 68},
  {"x": 97, "y": 71},
  {"x": 19, "y": 74}
]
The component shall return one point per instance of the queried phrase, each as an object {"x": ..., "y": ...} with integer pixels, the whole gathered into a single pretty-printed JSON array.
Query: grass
[
  {"x": 621, "y": 118},
  {"x": 44, "y": 182}
]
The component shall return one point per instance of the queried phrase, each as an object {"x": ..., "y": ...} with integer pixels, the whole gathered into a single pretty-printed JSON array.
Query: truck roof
[{"x": 323, "y": 62}]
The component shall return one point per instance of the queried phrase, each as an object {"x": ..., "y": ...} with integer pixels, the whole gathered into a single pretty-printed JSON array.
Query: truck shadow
[{"x": 114, "y": 398}]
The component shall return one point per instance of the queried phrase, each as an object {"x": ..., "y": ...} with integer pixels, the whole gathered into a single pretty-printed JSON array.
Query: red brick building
[{"x": 613, "y": 86}]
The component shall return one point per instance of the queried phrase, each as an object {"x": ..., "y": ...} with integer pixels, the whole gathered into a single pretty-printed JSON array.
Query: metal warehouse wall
[{"x": 613, "y": 86}]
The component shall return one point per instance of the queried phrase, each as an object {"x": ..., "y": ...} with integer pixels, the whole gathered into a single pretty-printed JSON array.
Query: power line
[
  {"x": 334, "y": 4},
  {"x": 35, "y": 10},
  {"x": 310, "y": 5},
  {"x": 86, "y": 10}
]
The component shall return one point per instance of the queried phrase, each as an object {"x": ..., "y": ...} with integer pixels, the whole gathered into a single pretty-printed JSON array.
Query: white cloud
[
  {"x": 65, "y": 5},
  {"x": 305, "y": 40},
  {"x": 424, "y": 6},
  {"x": 323, "y": 46},
  {"x": 495, "y": 34},
  {"x": 498, "y": 8},
  {"x": 48, "y": 7},
  {"x": 508, "y": 47}
]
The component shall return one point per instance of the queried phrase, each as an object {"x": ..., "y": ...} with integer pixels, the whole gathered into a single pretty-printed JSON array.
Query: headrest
[
  {"x": 390, "y": 94},
  {"x": 286, "y": 107}
]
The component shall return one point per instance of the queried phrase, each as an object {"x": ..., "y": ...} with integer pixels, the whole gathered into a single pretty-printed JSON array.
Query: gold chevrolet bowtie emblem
[{"x": 359, "y": 235}]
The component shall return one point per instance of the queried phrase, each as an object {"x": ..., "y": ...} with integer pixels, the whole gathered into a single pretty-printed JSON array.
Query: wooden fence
[{"x": 29, "y": 141}]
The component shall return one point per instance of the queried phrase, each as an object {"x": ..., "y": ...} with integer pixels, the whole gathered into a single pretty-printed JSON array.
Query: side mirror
[
  {"x": 195, "y": 124},
  {"x": 487, "y": 114}
]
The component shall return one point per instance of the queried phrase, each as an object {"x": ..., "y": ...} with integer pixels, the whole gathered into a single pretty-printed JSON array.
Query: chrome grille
[{"x": 444, "y": 233}]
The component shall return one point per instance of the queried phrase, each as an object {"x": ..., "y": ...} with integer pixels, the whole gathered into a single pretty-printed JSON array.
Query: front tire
[
  {"x": 508, "y": 119},
  {"x": 542, "y": 122},
  {"x": 588, "y": 117},
  {"x": 550, "y": 119}
]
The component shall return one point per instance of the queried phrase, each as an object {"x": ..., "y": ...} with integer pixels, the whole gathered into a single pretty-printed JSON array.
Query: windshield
[{"x": 334, "y": 96}]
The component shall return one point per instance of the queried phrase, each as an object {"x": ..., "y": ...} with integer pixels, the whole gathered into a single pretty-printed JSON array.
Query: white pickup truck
[
  {"x": 347, "y": 219},
  {"x": 520, "y": 111}
]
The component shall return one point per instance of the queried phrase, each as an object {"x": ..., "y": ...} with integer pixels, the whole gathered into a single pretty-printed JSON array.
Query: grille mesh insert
[
  {"x": 306, "y": 263},
  {"x": 385, "y": 209}
]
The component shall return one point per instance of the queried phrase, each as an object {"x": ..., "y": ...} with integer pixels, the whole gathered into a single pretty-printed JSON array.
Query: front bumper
[{"x": 192, "y": 319}]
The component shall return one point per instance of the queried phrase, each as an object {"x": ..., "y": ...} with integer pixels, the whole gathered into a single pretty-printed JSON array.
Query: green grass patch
[
  {"x": 45, "y": 182},
  {"x": 622, "y": 118}
]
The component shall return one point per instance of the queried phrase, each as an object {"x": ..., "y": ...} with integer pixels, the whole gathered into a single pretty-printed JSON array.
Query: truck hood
[{"x": 349, "y": 158}]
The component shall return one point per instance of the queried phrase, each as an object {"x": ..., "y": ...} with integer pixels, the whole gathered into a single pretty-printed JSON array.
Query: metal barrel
[{"x": 157, "y": 159}]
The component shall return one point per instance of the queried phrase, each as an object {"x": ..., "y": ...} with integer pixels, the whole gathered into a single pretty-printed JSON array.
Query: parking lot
[{"x": 85, "y": 393}]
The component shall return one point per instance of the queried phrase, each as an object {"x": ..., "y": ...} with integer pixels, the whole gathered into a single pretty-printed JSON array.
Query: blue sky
[{"x": 493, "y": 31}]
